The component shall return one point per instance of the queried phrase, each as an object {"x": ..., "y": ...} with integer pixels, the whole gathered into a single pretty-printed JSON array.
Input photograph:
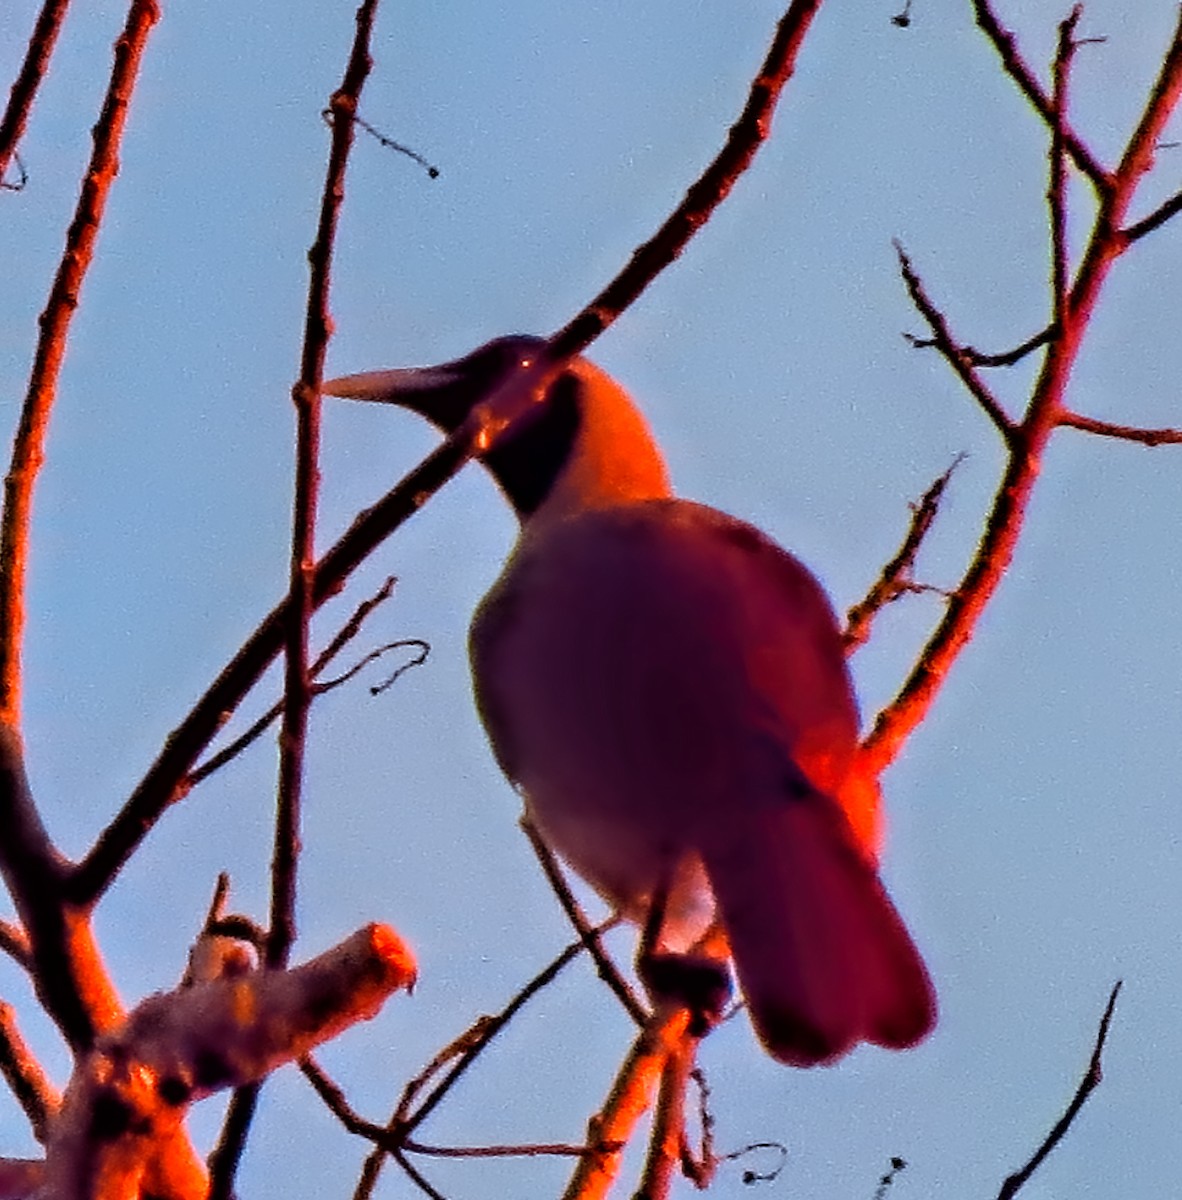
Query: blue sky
[{"x": 1034, "y": 831}]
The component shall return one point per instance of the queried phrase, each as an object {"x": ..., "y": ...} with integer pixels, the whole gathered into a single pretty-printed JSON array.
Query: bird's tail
[{"x": 823, "y": 958}]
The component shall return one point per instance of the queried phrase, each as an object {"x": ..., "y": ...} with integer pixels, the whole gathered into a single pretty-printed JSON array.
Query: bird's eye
[{"x": 525, "y": 362}]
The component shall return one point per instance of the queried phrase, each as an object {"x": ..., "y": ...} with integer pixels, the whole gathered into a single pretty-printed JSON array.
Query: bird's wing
[{"x": 665, "y": 679}]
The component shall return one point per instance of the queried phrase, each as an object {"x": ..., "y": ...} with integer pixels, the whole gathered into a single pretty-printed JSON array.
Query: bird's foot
[{"x": 699, "y": 982}]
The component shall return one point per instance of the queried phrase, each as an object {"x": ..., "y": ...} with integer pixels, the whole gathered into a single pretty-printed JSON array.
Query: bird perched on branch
[{"x": 667, "y": 688}]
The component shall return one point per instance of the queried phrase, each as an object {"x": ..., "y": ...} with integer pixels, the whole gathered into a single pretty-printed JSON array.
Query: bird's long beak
[
  {"x": 506, "y": 374},
  {"x": 397, "y": 386},
  {"x": 442, "y": 394}
]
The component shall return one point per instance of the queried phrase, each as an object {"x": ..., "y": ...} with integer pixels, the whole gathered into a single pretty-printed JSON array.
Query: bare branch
[
  {"x": 1044, "y": 412},
  {"x": 952, "y": 352},
  {"x": 1088, "y": 1084},
  {"x": 164, "y": 783},
  {"x": 1016, "y": 67},
  {"x": 1008, "y": 358},
  {"x": 24, "y": 1075},
  {"x": 632, "y": 1094},
  {"x": 28, "y": 450},
  {"x": 896, "y": 578},
  {"x": 179, "y": 1046},
  {"x": 301, "y": 603},
  {"x": 15, "y": 943},
  {"x": 306, "y": 397},
  {"x": 668, "y": 1132},
  {"x": 68, "y": 973},
  {"x": 746, "y": 136},
  {"x": 1163, "y": 99},
  {"x": 28, "y": 80},
  {"x": 350, "y": 630},
  {"x": 1131, "y": 433},
  {"x": 590, "y": 936},
  {"x": 1057, "y": 189},
  {"x": 1155, "y": 220},
  {"x": 463, "y": 1052}
]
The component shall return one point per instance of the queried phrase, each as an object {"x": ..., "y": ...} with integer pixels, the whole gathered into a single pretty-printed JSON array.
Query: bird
[{"x": 667, "y": 689}]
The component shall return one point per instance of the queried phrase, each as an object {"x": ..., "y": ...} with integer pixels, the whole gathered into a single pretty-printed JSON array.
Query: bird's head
[{"x": 584, "y": 445}]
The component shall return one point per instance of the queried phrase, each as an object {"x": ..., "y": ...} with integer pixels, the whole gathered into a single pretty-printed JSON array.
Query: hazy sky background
[{"x": 1033, "y": 821}]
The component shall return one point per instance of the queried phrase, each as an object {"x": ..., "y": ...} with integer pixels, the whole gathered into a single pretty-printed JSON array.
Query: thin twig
[
  {"x": 389, "y": 143},
  {"x": 306, "y": 398},
  {"x": 1155, "y": 220},
  {"x": 896, "y": 577},
  {"x": 28, "y": 450},
  {"x": 472, "y": 1044},
  {"x": 28, "y": 80},
  {"x": 950, "y": 349},
  {"x": 607, "y": 969},
  {"x": 1057, "y": 188},
  {"x": 301, "y": 602},
  {"x": 1088, "y": 1084},
  {"x": 233, "y": 749},
  {"x": 463, "y": 1052},
  {"x": 1015, "y": 66},
  {"x": 525, "y": 1150},
  {"x": 699, "y": 1166},
  {"x": 1130, "y": 433},
  {"x": 1007, "y": 358},
  {"x": 165, "y": 782},
  {"x": 887, "y": 1180},
  {"x": 25, "y": 1076}
]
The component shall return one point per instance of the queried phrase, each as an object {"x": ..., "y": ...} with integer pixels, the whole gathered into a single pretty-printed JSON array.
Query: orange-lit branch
[
  {"x": 23, "y": 1073},
  {"x": 1128, "y": 433},
  {"x": 135, "y": 1087},
  {"x": 747, "y": 134},
  {"x": 1045, "y": 411},
  {"x": 306, "y": 397},
  {"x": 32, "y": 72},
  {"x": 632, "y": 1095},
  {"x": 28, "y": 451}
]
